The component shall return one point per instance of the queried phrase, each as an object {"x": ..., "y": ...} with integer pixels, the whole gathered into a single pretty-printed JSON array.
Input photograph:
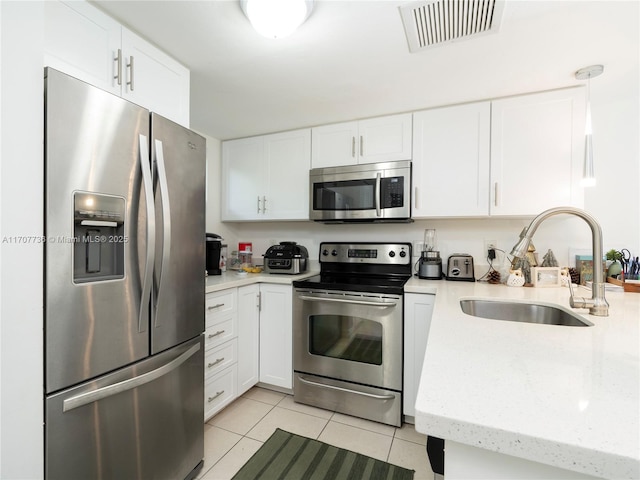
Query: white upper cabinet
[
  {"x": 451, "y": 161},
  {"x": 266, "y": 177},
  {"x": 85, "y": 43},
  {"x": 537, "y": 147},
  {"x": 374, "y": 140}
]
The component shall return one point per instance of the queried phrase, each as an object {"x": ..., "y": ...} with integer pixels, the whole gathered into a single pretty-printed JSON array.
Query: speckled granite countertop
[{"x": 562, "y": 396}]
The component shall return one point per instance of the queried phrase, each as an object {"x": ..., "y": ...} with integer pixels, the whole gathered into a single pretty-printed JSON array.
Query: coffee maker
[
  {"x": 430, "y": 264},
  {"x": 213, "y": 248}
]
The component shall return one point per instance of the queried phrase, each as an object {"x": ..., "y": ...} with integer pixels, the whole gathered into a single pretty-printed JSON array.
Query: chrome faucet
[{"x": 597, "y": 304}]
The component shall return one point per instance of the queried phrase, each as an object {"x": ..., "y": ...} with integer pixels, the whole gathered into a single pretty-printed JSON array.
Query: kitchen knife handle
[
  {"x": 147, "y": 279},
  {"x": 130, "y": 66},
  {"x": 166, "y": 223},
  {"x": 118, "y": 60}
]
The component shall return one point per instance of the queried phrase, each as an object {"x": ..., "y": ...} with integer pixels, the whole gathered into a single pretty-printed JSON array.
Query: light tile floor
[{"x": 238, "y": 431}]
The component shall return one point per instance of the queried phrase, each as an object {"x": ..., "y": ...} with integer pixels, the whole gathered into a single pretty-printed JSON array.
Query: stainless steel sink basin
[{"x": 522, "y": 312}]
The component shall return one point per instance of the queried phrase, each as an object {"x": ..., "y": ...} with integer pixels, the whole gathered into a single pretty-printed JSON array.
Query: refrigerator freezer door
[
  {"x": 94, "y": 254},
  {"x": 178, "y": 157},
  {"x": 141, "y": 422}
]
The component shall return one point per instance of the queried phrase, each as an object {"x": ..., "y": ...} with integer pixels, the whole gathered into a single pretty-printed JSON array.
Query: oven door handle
[
  {"x": 341, "y": 300},
  {"x": 347, "y": 390}
]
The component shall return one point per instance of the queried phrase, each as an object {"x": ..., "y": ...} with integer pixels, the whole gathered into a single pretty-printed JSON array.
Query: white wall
[{"x": 21, "y": 203}]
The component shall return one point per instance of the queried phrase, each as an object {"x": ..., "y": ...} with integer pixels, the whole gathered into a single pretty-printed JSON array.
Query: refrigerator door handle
[
  {"x": 166, "y": 220},
  {"x": 147, "y": 280},
  {"x": 104, "y": 392}
]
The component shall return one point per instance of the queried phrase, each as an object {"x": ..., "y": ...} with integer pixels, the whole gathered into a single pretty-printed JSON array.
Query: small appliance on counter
[
  {"x": 213, "y": 248},
  {"x": 287, "y": 257},
  {"x": 460, "y": 267},
  {"x": 430, "y": 263}
]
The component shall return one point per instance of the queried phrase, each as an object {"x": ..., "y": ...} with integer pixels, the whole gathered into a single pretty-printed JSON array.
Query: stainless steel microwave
[{"x": 361, "y": 193}]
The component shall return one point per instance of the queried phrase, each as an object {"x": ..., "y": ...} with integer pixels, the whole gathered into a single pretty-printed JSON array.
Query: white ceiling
[{"x": 351, "y": 59}]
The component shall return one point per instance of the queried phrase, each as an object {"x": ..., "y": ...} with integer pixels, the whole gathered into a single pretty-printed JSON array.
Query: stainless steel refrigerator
[{"x": 124, "y": 288}]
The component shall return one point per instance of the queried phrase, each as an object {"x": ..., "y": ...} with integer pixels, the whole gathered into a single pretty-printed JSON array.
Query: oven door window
[
  {"x": 346, "y": 337},
  {"x": 345, "y": 195}
]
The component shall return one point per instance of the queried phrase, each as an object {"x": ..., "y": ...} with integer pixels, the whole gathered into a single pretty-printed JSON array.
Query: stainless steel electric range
[{"x": 348, "y": 330}]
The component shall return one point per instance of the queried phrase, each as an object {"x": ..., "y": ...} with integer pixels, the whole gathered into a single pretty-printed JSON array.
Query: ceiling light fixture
[
  {"x": 588, "y": 176},
  {"x": 276, "y": 18}
]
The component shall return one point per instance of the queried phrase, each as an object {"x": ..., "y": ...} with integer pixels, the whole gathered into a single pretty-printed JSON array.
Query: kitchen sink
[{"x": 522, "y": 312}]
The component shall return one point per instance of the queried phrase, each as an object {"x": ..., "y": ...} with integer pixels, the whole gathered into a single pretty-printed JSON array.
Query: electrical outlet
[
  {"x": 490, "y": 244},
  {"x": 418, "y": 247}
]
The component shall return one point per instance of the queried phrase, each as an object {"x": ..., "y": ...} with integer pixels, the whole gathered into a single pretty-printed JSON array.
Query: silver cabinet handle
[
  {"x": 353, "y": 147},
  {"x": 415, "y": 198},
  {"x": 258, "y": 203},
  {"x": 211, "y": 399},
  {"x": 378, "y": 181},
  {"x": 130, "y": 66},
  {"x": 264, "y": 204},
  {"x": 344, "y": 300},
  {"x": 166, "y": 220},
  {"x": 213, "y": 364},
  {"x": 361, "y": 146},
  {"x": 118, "y": 60},
  {"x": 219, "y": 332},
  {"x": 347, "y": 390},
  {"x": 147, "y": 280},
  {"x": 495, "y": 194},
  {"x": 215, "y": 306},
  {"x": 104, "y": 392}
]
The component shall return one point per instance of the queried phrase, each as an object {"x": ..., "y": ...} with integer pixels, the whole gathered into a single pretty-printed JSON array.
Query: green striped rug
[{"x": 288, "y": 456}]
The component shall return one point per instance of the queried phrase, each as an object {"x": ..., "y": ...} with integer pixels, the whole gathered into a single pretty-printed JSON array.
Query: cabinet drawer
[
  {"x": 220, "y": 304},
  {"x": 220, "y": 357},
  {"x": 219, "y": 391},
  {"x": 218, "y": 333}
]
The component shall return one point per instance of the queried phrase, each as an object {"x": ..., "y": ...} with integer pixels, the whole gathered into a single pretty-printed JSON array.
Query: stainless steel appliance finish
[
  {"x": 124, "y": 287},
  {"x": 286, "y": 257},
  {"x": 460, "y": 267},
  {"x": 522, "y": 312},
  {"x": 347, "y": 332},
  {"x": 376, "y": 192}
]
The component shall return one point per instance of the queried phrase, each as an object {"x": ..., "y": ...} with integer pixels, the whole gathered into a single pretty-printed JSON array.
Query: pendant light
[
  {"x": 588, "y": 176},
  {"x": 276, "y": 18}
]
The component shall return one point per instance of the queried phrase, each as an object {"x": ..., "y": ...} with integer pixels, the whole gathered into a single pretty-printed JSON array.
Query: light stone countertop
[
  {"x": 230, "y": 279},
  {"x": 563, "y": 396}
]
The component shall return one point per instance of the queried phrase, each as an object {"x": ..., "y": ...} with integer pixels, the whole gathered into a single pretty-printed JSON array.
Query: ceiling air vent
[{"x": 432, "y": 23}]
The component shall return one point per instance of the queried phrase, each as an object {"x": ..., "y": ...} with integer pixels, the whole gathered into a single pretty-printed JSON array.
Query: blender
[{"x": 430, "y": 264}]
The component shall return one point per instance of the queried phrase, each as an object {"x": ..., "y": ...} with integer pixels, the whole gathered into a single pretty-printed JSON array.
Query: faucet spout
[{"x": 597, "y": 304}]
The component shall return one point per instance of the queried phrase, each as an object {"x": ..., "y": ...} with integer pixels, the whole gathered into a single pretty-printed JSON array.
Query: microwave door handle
[{"x": 378, "y": 181}]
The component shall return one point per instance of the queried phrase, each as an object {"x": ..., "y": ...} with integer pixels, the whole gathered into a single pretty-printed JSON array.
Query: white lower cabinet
[
  {"x": 418, "y": 309},
  {"x": 248, "y": 337},
  {"x": 276, "y": 335},
  {"x": 247, "y": 340}
]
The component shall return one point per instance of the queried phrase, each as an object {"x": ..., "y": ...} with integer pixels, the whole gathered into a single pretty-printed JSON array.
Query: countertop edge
[{"x": 229, "y": 279}]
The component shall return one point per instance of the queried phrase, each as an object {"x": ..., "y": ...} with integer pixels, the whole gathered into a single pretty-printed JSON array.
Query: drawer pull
[
  {"x": 211, "y": 399},
  {"x": 213, "y": 364},
  {"x": 219, "y": 332},
  {"x": 215, "y": 306}
]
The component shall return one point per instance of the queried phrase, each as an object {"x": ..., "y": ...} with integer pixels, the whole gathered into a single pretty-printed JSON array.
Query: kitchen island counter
[
  {"x": 231, "y": 279},
  {"x": 568, "y": 397}
]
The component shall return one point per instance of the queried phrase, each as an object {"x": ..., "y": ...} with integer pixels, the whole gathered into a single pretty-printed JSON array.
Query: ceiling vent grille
[{"x": 432, "y": 23}]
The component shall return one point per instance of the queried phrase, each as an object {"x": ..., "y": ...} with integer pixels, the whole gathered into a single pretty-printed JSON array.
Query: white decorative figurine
[
  {"x": 565, "y": 278},
  {"x": 515, "y": 278}
]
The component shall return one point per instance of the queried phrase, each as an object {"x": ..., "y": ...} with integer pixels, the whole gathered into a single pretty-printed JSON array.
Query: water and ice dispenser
[{"x": 99, "y": 237}]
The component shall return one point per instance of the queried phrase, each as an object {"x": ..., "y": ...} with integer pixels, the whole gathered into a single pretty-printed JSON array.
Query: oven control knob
[
  {"x": 392, "y": 254},
  {"x": 334, "y": 253},
  {"x": 325, "y": 253},
  {"x": 403, "y": 253}
]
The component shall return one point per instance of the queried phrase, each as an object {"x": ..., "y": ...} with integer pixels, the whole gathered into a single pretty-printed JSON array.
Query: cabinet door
[
  {"x": 248, "y": 336},
  {"x": 276, "y": 366},
  {"x": 243, "y": 179},
  {"x": 83, "y": 42},
  {"x": 451, "y": 161},
  {"x": 154, "y": 80},
  {"x": 335, "y": 145},
  {"x": 288, "y": 156},
  {"x": 537, "y": 145},
  {"x": 384, "y": 139},
  {"x": 417, "y": 321}
]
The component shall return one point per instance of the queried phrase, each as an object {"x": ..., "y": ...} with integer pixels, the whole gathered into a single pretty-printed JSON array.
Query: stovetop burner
[{"x": 362, "y": 267}]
